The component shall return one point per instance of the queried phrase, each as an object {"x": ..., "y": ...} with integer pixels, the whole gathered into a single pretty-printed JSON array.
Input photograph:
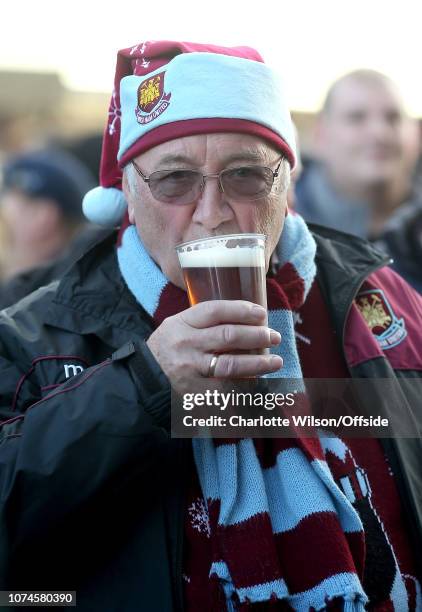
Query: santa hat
[{"x": 165, "y": 90}]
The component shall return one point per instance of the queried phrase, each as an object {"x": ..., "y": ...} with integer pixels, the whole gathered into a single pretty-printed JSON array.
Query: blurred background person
[
  {"x": 361, "y": 179},
  {"x": 43, "y": 228},
  {"x": 41, "y": 200}
]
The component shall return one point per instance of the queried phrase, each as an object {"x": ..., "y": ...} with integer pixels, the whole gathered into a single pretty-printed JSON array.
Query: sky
[{"x": 309, "y": 43}]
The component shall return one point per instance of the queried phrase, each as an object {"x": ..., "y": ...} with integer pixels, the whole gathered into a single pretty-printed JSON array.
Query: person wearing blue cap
[{"x": 41, "y": 207}]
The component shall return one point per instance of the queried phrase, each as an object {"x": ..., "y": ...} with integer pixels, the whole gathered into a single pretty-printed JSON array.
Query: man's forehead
[
  {"x": 353, "y": 92},
  {"x": 224, "y": 147}
]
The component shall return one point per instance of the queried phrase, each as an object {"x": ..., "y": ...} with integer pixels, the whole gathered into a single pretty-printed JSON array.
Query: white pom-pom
[{"x": 104, "y": 206}]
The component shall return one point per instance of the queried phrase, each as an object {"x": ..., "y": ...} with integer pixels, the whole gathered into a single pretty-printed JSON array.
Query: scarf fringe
[
  {"x": 345, "y": 604},
  {"x": 354, "y": 606}
]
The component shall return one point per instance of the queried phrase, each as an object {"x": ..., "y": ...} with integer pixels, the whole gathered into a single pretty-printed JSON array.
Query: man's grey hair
[
  {"x": 132, "y": 179},
  {"x": 284, "y": 174}
]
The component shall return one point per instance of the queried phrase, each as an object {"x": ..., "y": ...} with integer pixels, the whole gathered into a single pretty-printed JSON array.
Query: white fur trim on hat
[{"x": 104, "y": 206}]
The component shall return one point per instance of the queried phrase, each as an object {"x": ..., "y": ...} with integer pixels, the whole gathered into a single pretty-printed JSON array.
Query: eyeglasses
[{"x": 243, "y": 184}]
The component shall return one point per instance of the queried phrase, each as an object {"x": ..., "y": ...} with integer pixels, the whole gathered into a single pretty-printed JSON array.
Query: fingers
[
  {"x": 242, "y": 366},
  {"x": 208, "y": 314},
  {"x": 236, "y": 331},
  {"x": 226, "y": 338}
]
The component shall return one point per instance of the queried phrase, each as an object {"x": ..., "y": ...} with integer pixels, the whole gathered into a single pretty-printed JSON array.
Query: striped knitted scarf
[{"x": 278, "y": 493}]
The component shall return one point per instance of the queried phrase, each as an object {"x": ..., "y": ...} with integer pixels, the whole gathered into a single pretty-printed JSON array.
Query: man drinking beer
[{"x": 96, "y": 496}]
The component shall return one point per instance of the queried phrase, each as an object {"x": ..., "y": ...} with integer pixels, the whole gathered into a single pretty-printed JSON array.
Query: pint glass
[{"x": 228, "y": 267}]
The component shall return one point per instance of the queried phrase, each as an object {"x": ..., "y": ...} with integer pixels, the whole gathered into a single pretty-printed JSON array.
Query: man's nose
[{"x": 212, "y": 208}]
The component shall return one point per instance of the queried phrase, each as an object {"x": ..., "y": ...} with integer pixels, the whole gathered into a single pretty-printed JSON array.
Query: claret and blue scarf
[
  {"x": 278, "y": 493},
  {"x": 292, "y": 497}
]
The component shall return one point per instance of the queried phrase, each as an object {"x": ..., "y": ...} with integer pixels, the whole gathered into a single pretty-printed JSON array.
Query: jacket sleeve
[{"x": 82, "y": 439}]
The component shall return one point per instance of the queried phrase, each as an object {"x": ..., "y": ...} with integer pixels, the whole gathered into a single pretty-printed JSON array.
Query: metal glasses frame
[{"x": 218, "y": 176}]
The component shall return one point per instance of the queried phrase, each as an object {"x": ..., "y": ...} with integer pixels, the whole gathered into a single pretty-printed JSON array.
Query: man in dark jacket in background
[
  {"x": 361, "y": 180},
  {"x": 96, "y": 496}
]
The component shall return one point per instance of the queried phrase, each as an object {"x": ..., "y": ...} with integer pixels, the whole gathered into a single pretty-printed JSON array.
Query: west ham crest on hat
[{"x": 152, "y": 101}]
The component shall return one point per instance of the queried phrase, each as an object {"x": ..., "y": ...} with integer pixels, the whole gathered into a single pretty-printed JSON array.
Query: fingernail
[
  {"x": 258, "y": 311},
  {"x": 276, "y": 362},
  {"x": 275, "y": 337}
]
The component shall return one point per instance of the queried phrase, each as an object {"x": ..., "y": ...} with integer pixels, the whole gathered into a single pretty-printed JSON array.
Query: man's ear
[{"x": 129, "y": 199}]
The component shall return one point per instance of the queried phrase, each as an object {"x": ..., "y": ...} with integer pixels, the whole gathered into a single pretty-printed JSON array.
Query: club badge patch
[
  {"x": 152, "y": 100},
  {"x": 380, "y": 318}
]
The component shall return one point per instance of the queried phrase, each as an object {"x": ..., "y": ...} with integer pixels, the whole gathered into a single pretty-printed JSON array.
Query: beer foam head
[{"x": 219, "y": 256}]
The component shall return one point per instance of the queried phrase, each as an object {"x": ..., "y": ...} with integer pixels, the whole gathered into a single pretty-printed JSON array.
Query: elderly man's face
[{"x": 162, "y": 226}]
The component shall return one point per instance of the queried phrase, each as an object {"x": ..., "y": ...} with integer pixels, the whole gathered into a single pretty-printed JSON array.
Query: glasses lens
[
  {"x": 248, "y": 182},
  {"x": 175, "y": 186}
]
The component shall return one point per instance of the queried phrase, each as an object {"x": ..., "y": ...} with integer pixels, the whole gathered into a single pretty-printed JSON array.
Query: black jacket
[{"x": 91, "y": 485}]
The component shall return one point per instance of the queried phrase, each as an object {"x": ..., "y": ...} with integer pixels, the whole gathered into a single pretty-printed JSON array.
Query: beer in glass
[{"x": 228, "y": 267}]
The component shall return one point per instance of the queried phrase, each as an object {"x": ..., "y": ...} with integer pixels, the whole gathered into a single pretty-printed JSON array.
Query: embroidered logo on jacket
[
  {"x": 387, "y": 328},
  {"x": 152, "y": 101}
]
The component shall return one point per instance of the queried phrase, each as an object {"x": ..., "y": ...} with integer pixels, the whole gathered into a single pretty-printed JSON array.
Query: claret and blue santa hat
[{"x": 165, "y": 90}]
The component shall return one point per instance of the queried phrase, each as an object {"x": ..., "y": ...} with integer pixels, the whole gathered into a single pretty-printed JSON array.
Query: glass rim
[{"x": 228, "y": 236}]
